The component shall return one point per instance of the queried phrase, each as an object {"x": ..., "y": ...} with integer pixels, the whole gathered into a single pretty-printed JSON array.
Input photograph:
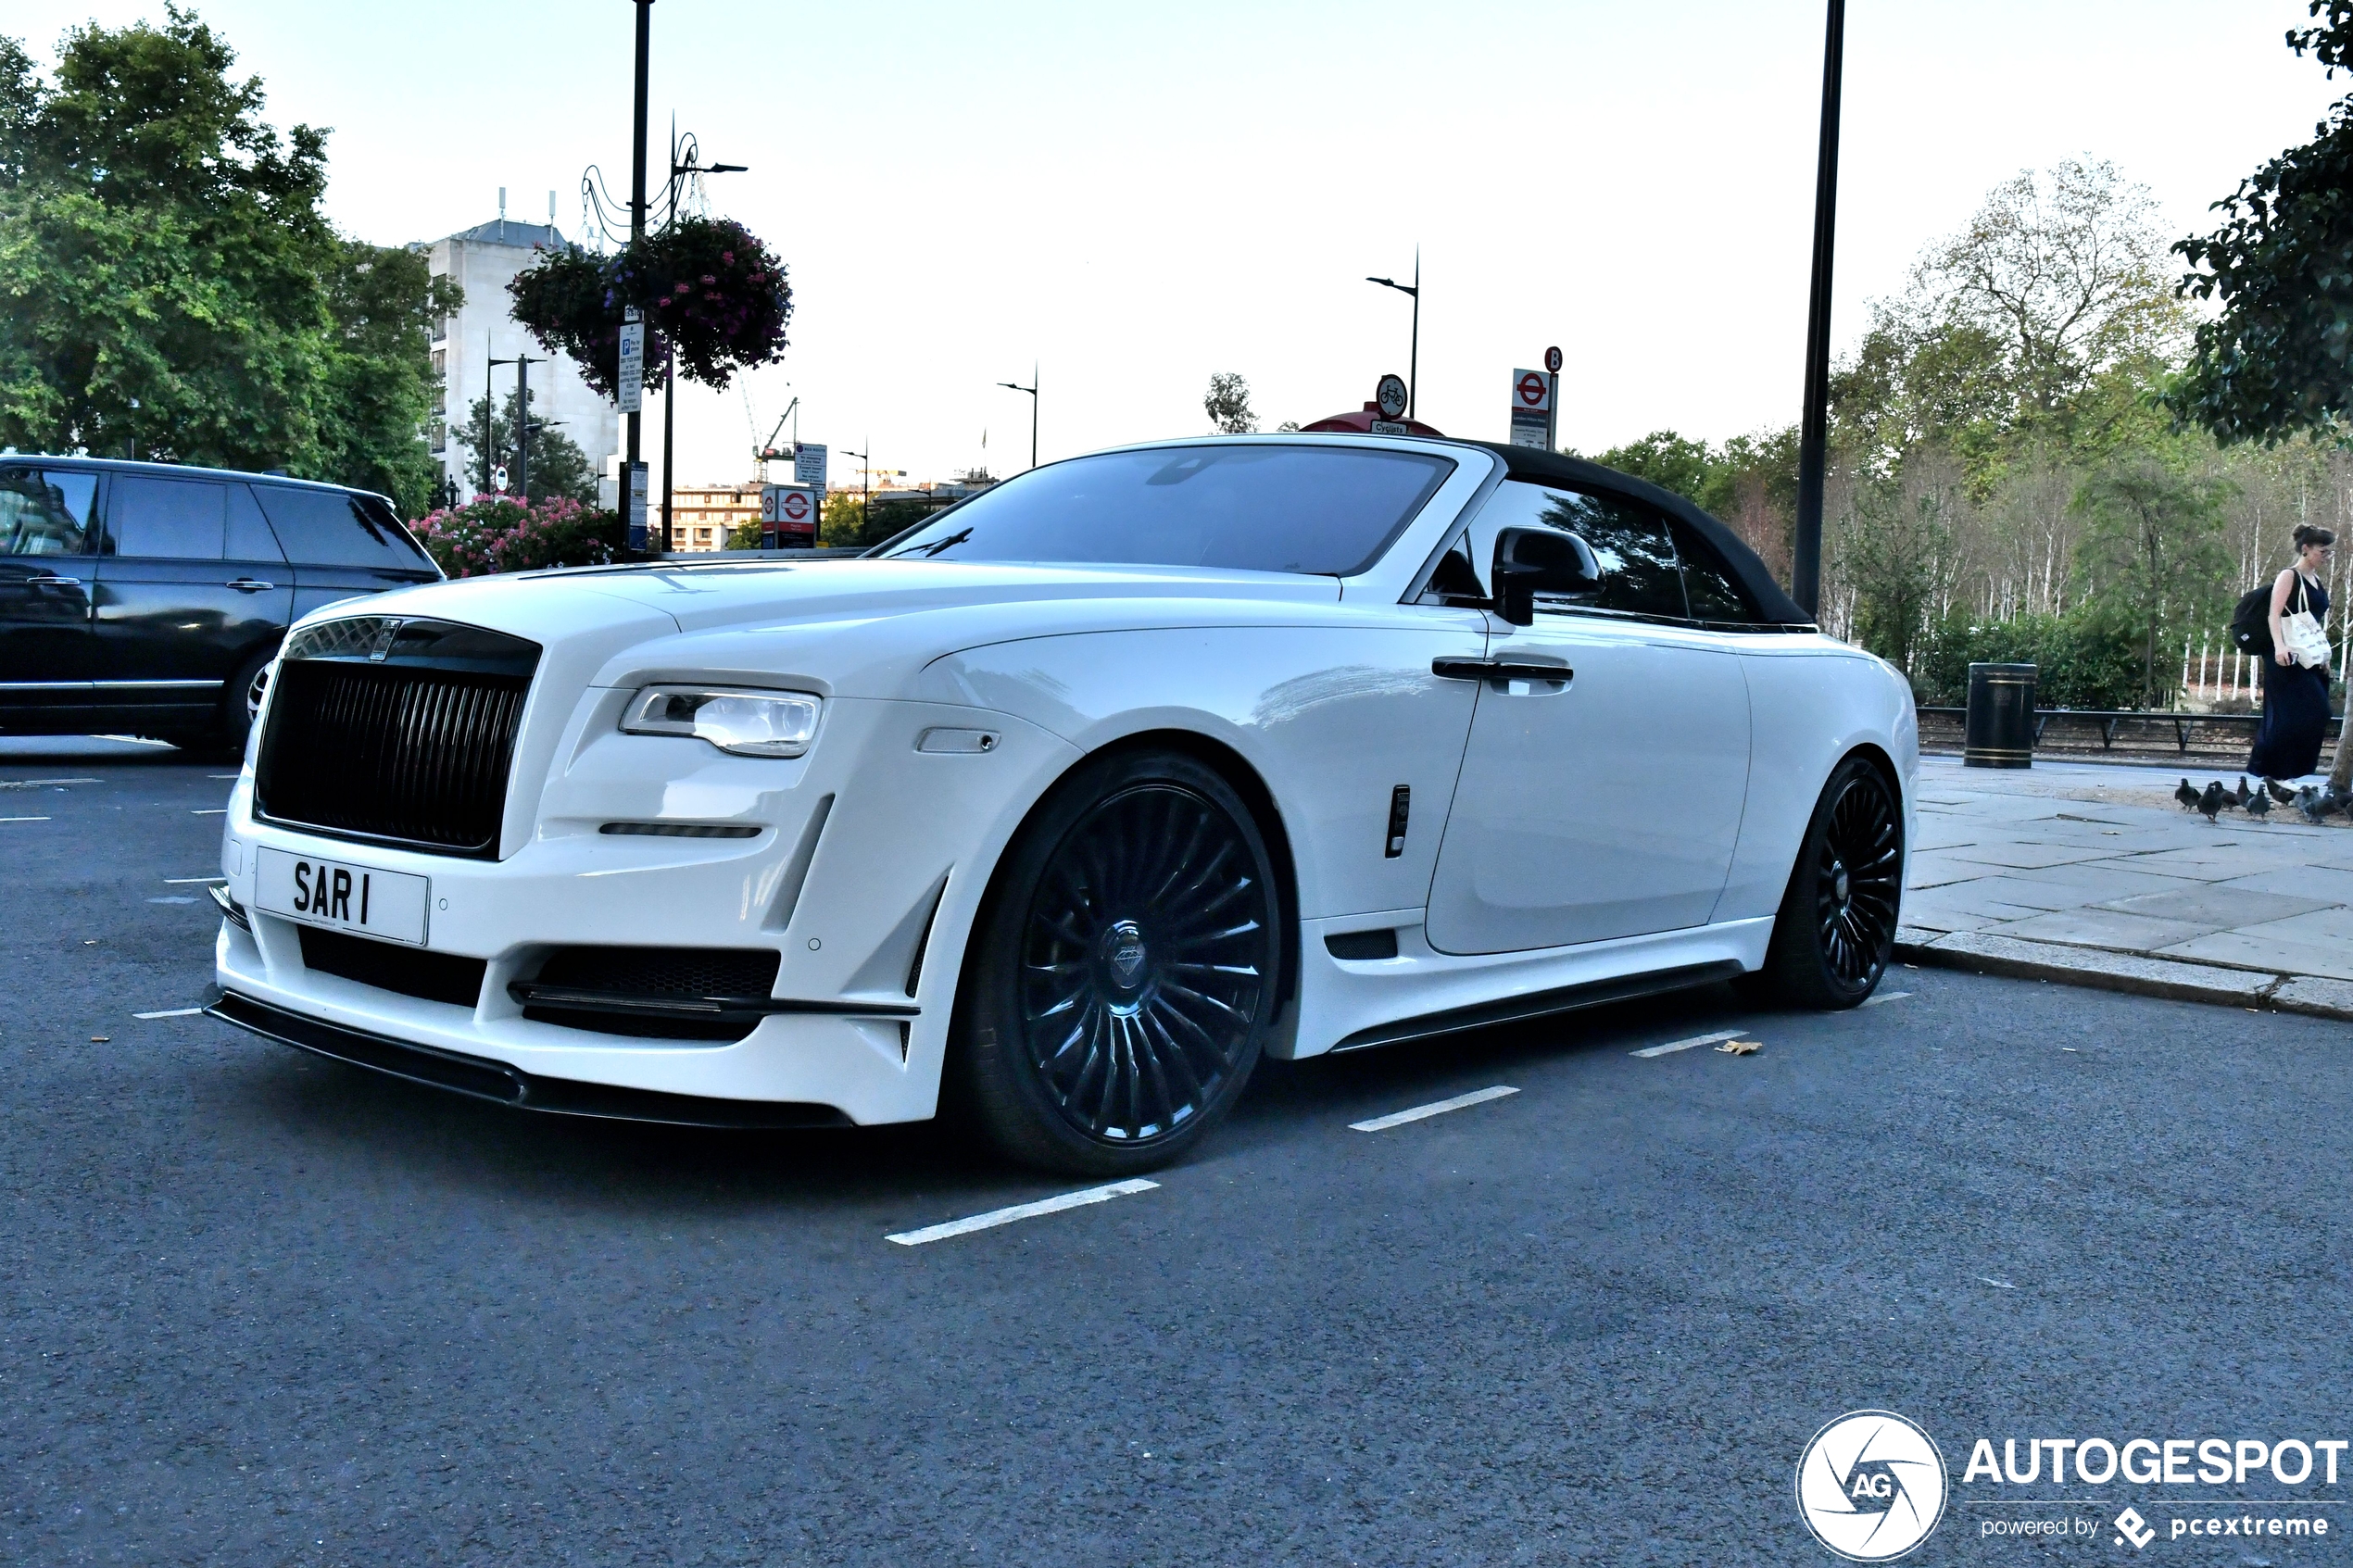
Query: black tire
[
  {"x": 239, "y": 703},
  {"x": 1837, "y": 921},
  {"x": 1123, "y": 972}
]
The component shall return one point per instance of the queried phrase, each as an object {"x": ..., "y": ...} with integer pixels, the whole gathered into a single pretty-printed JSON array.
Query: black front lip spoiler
[{"x": 479, "y": 1078}]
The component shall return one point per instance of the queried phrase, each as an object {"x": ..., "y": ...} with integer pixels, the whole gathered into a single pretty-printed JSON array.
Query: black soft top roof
[{"x": 1772, "y": 600}]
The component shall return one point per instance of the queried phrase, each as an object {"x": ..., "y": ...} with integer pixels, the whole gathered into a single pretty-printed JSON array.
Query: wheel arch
[{"x": 1246, "y": 781}]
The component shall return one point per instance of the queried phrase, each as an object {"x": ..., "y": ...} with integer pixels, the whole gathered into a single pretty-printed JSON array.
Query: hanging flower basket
[{"x": 711, "y": 292}]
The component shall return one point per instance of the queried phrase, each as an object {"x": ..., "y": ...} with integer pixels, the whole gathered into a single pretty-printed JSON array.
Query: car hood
[{"x": 855, "y": 627}]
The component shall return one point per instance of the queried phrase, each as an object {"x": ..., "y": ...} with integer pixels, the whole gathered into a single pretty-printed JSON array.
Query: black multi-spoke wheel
[
  {"x": 1837, "y": 923},
  {"x": 1126, "y": 971}
]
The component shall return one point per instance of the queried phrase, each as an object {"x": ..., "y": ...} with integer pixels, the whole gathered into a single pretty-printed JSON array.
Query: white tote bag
[{"x": 2305, "y": 640}]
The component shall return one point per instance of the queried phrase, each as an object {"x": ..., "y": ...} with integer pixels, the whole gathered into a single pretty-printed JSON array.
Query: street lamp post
[
  {"x": 637, "y": 236},
  {"x": 693, "y": 166},
  {"x": 1813, "y": 441},
  {"x": 523, "y": 363},
  {"x": 865, "y": 490},
  {"x": 1413, "y": 354},
  {"x": 1032, "y": 390}
]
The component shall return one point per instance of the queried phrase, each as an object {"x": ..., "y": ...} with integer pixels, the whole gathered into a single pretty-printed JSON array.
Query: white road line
[
  {"x": 215, "y": 811},
  {"x": 1399, "y": 1118},
  {"x": 23, "y": 819},
  {"x": 1885, "y": 997},
  {"x": 28, "y": 784},
  {"x": 1020, "y": 1212},
  {"x": 170, "y": 1012},
  {"x": 210, "y": 776},
  {"x": 1673, "y": 1045},
  {"x": 135, "y": 740},
  {"x": 184, "y": 881}
]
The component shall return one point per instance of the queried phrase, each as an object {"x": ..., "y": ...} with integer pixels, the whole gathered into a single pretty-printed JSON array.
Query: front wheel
[
  {"x": 1837, "y": 923},
  {"x": 1124, "y": 971}
]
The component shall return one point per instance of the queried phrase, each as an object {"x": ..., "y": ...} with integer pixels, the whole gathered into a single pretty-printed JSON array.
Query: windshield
[{"x": 1323, "y": 510}]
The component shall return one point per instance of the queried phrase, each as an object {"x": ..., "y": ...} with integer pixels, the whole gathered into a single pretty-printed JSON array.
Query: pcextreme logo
[{"x": 1871, "y": 1485}]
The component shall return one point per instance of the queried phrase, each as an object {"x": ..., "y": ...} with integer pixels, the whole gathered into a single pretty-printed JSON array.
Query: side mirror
[{"x": 1529, "y": 561}]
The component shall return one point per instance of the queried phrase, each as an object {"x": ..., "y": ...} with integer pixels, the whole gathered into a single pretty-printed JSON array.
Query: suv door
[
  {"x": 48, "y": 657},
  {"x": 341, "y": 543},
  {"x": 1607, "y": 803},
  {"x": 192, "y": 586}
]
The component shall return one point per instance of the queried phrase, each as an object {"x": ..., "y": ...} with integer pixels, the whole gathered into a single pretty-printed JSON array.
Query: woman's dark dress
[{"x": 2296, "y": 708}]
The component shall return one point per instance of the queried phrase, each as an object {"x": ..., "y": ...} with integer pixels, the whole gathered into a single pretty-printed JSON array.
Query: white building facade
[{"x": 480, "y": 260}]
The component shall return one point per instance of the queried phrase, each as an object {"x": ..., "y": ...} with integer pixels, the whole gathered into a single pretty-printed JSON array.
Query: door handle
[
  {"x": 1499, "y": 670},
  {"x": 248, "y": 586},
  {"x": 54, "y": 580}
]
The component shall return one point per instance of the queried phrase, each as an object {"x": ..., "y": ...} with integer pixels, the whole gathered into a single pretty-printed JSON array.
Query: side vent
[
  {"x": 796, "y": 869},
  {"x": 1381, "y": 944},
  {"x": 923, "y": 944},
  {"x": 1400, "y": 803}
]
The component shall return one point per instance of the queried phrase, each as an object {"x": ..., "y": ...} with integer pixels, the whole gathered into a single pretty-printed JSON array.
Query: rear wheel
[
  {"x": 1837, "y": 923},
  {"x": 240, "y": 705},
  {"x": 1124, "y": 971}
]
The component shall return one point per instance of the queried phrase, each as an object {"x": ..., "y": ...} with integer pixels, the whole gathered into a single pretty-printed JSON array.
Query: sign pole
[
  {"x": 1553, "y": 400},
  {"x": 636, "y": 475}
]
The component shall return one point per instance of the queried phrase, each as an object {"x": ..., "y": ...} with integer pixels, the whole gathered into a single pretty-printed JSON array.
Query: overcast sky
[{"x": 1135, "y": 197}]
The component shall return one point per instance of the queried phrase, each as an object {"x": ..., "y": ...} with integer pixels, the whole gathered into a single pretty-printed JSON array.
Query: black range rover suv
[{"x": 147, "y": 598}]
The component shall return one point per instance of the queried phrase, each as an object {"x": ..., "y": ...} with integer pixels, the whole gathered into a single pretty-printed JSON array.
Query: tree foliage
[
  {"x": 558, "y": 467},
  {"x": 1228, "y": 405},
  {"x": 2153, "y": 550},
  {"x": 2277, "y": 359},
  {"x": 170, "y": 287}
]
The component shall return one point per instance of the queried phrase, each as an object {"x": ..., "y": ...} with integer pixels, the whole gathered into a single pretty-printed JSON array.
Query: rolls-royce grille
[{"x": 398, "y": 731}]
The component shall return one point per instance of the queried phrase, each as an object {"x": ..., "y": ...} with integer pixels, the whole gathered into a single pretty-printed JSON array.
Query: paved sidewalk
[{"x": 2093, "y": 874}]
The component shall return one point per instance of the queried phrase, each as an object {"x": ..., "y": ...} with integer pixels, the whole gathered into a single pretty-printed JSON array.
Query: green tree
[
  {"x": 169, "y": 285},
  {"x": 1668, "y": 460},
  {"x": 2153, "y": 552},
  {"x": 1228, "y": 405},
  {"x": 2278, "y": 359},
  {"x": 557, "y": 465},
  {"x": 378, "y": 381}
]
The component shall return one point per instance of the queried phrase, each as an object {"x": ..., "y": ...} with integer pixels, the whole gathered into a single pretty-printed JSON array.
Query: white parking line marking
[
  {"x": 1021, "y": 1211},
  {"x": 23, "y": 819},
  {"x": 1673, "y": 1045},
  {"x": 184, "y": 881},
  {"x": 1885, "y": 997},
  {"x": 1399, "y": 1118},
  {"x": 170, "y": 1012},
  {"x": 28, "y": 784},
  {"x": 215, "y": 812},
  {"x": 135, "y": 740},
  {"x": 210, "y": 776}
]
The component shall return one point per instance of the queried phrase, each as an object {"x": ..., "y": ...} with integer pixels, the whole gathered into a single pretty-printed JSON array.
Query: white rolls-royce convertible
[{"x": 1061, "y": 811}]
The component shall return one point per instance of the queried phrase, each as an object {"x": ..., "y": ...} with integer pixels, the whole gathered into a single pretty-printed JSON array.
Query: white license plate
[{"x": 344, "y": 898}]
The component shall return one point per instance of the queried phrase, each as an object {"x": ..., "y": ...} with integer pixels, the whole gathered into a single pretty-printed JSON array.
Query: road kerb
[{"x": 1985, "y": 953}]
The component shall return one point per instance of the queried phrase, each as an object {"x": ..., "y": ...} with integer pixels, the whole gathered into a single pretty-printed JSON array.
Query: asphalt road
[{"x": 257, "y": 1308}]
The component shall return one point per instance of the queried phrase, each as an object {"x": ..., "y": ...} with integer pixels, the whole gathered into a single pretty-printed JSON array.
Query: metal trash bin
[{"x": 1999, "y": 729}]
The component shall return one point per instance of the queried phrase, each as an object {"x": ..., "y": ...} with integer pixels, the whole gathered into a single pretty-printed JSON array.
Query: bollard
[{"x": 1999, "y": 730}]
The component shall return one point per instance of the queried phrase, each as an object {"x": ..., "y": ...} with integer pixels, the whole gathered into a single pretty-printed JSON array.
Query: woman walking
[{"x": 2295, "y": 678}]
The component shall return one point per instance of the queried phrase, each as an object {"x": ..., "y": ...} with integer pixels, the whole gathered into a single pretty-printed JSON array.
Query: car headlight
[{"x": 748, "y": 724}]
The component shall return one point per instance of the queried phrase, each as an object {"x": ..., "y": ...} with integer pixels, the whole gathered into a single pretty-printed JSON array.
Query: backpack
[{"x": 2251, "y": 622}]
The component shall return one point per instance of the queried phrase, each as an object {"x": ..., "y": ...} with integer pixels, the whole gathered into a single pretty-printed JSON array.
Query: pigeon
[
  {"x": 2210, "y": 803},
  {"x": 2258, "y": 805},
  {"x": 2312, "y": 805},
  {"x": 2239, "y": 797},
  {"x": 2280, "y": 792},
  {"x": 2187, "y": 794}
]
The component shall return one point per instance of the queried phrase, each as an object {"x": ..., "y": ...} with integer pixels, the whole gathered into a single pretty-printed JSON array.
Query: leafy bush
[
  {"x": 492, "y": 534},
  {"x": 2084, "y": 659},
  {"x": 709, "y": 292}
]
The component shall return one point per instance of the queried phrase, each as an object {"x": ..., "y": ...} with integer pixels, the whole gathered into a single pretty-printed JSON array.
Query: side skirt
[{"x": 1541, "y": 1004}]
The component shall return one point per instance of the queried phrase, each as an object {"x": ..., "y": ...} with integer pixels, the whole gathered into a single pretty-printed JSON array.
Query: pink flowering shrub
[{"x": 502, "y": 533}]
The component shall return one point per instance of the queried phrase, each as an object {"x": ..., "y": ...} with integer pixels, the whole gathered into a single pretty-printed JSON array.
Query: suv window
[
  {"x": 166, "y": 519},
  {"x": 1715, "y": 595},
  {"x": 45, "y": 513},
  {"x": 330, "y": 527},
  {"x": 249, "y": 536},
  {"x": 1639, "y": 575}
]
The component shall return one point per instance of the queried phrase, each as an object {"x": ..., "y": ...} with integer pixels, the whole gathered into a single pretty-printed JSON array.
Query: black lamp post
[
  {"x": 1414, "y": 354},
  {"x": 1032, "y": 390},
  {"x": 1813, "y": 440},
  {"x": 523, "y": 363},
  {"x": 669, "y": 359}
]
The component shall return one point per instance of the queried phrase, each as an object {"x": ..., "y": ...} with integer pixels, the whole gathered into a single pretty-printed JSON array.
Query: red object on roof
[{"x": 1361, "y": 423}]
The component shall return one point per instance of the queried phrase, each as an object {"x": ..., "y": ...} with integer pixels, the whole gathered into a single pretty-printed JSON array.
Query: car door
[
  {"x": 342, "y": 544},
  {"x": 191, "y": 585},
  {"x": 48, "y": 656},
  {"x": 1606, "y": 803}
]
